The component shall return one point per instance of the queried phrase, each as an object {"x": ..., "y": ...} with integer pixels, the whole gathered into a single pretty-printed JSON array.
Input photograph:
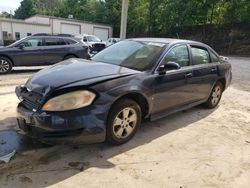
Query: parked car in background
[
  {"x": 40, "y": 49},
  {"x": 106, "y": 98},
  {"x": 93, "y": 42},
  {"x": 112, "y": 41}
]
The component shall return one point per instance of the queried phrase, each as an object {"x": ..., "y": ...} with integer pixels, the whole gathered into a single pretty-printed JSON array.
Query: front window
[
  {"x": 93, "y": 39},
  {"x": 178, "y": 54},
  {"x": 32, "y": 42},
  {"x": 131, "y": 54}
]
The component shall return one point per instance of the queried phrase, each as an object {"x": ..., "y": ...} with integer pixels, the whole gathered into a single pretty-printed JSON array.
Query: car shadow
[{"x": 71, "y": 160}]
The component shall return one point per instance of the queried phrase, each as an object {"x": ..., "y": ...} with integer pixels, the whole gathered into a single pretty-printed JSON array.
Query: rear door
[
  {"x": 205, "y": 72},
  {"x": 55, "y": 49}
]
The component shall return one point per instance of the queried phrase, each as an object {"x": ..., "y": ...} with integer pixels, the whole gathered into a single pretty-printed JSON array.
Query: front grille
[
  {"x": 30, "y": 100},
  {"x": 30, "y": 104},
  {"x": 99, "y": 45}
]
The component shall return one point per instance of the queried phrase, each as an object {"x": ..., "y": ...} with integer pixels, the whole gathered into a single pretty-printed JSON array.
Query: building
[{"x": 13, "y": 29}]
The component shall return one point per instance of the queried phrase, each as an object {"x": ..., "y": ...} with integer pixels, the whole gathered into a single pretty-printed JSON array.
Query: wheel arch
[
  {"x": 70, "y": 54},
  {"x": 8, "y": 57},
  {"x": 223, "y": 82},
  {"x": 139, "y": 98}
]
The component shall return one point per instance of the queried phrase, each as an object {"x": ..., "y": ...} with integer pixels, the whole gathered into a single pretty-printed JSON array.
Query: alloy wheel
[
  {"x": 216, "y": 94},
  {"x": 125, "y": 122},
  {"x": 4, "y": 66}
]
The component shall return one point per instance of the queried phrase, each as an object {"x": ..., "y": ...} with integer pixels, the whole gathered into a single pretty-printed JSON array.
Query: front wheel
[
  {"x": 5, "y": 65},
  {"x": 215, "y": 96},
  {"x": 123, "y": 121}
]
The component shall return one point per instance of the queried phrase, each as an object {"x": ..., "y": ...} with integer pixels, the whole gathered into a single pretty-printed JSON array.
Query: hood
[
  {"x": 72, "y": 71},
  {"x": 4, "y": 48}
]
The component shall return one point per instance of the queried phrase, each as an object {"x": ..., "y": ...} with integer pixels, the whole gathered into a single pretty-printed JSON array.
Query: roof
[
  {"x": 166, "y": 40},
  {"x": 71, "y": 20},
  {"x": 22, "y": 21}
]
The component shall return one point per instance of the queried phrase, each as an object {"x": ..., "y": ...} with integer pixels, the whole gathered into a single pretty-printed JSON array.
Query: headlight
[{"x": 69, "y": 101}]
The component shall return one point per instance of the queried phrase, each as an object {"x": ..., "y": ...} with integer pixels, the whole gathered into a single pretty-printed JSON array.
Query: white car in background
[
  {"x": 112, "y": 41},
  {"x": 93, "y": 42}
]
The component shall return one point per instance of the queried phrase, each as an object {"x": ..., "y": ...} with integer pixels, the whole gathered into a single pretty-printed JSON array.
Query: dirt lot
[{"x": 195, "y": 148}]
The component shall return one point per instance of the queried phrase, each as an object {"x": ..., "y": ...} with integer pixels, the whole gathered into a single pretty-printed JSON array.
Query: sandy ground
[{"x": 195, "y": 148}]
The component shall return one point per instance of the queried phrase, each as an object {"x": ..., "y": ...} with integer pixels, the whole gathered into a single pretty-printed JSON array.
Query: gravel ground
[{"x": 195, "y": 148}]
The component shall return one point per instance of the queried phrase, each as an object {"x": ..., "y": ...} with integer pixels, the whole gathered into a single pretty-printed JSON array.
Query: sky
[{"x": 9, "y": 5}]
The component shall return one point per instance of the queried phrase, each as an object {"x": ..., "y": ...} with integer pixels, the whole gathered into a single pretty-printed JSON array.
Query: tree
[
  {"x": 145, "y": 17},
  {"x": 5, "y": 14},
  {"x": 25, "y": 10}
]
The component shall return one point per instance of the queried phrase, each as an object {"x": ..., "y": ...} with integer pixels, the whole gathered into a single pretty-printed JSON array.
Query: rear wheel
[
  {"x": 5, "y": 65},
  {"x": 215, "y": 96},
  {"x": 123, "y": 121}
]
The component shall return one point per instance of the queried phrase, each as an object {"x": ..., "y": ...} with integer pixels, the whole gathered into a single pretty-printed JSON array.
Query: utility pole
[{"x": 124, "y": 18}]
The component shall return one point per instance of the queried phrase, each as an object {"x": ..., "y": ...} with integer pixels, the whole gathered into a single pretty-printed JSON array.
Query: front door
[
  {"x": 31, "y": 54},
  {"x": 172, "y": 90}
]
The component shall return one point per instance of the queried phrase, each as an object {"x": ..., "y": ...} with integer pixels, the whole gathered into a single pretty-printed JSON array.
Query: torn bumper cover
[{"x": 84, "y": 125}]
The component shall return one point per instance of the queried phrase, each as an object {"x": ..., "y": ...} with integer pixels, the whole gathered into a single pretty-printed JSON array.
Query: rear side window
[
  {"x": 214, "y": 57},
  {"x": 54, "y": 42},
  {"x": 70, "y": 41},
  {"x": 178, "y": 54},
  {"x": 199, "y": 56}
]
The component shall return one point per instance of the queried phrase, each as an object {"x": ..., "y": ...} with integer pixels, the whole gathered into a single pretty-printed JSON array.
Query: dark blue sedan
[{"x": 107, "y": 97}]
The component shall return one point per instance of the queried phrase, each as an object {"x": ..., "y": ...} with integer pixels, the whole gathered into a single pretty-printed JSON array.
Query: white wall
[
  {"x": 1, "y": 34},
  {"x": 23, "y": 29},
  {"x": 86, "y": 28},
  {"x": 40, "y": 24},
  {"x": 38, "y": 19}
]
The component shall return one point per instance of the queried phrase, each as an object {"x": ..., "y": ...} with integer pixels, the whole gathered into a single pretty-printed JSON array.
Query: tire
[
  {"x": 69, "y": 56},
  {"x": 123, "y": 121},
  {"x": 5, "y": 65},
  {"x": 215, "y": 96}
]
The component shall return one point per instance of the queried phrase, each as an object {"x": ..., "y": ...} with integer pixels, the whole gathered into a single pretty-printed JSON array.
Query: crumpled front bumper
[{"x": 80, "y": 126}]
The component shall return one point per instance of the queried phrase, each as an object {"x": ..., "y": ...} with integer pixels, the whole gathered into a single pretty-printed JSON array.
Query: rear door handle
[{"x": 189, "y": 75}]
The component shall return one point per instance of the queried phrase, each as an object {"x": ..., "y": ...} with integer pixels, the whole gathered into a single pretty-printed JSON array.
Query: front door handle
[
  {"x": 213, "y": 69},
  {"x": 189, "y": 75}
]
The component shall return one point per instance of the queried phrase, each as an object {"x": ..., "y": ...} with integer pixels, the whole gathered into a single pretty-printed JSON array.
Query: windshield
[
  {"x": 93, "y": 39},
  {"x": 17, "y": 42},
  {"x": 131, "y": 54}
]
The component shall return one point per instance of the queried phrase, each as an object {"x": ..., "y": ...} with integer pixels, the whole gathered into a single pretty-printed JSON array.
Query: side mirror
[
  {"x": 21, "y": 46},
  {"x": 169, "y": 66},
  {"x": 172, "y": 66},
  {"x": 84, "y": 40}
]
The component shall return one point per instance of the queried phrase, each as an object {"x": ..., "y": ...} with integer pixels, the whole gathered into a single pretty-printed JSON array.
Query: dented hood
[{"x": 72, "y": 71}]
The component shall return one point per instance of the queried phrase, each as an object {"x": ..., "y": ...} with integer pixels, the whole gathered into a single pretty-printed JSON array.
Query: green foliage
[
  {"x": 25, "y": 10},
  {"x": 145, "y": 17},
  {"x": 5, "y": 15}
]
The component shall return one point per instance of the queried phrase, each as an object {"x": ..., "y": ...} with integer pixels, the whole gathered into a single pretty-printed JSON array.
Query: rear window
[
  {"x": 199, "y": 55},
  {"x": 54, "y": 42}
]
